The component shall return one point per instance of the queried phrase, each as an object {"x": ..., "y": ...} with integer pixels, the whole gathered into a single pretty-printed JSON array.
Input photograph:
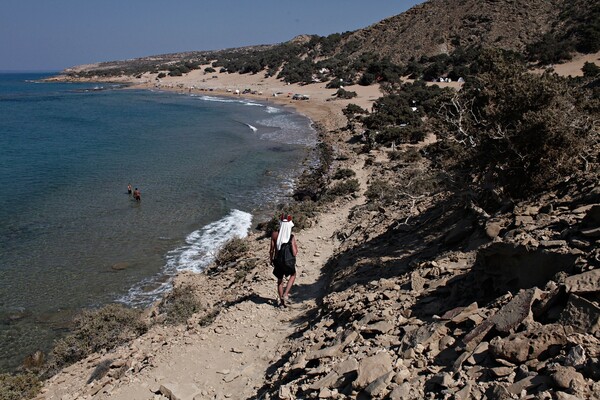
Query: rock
[
  {"x": 402, "y": 375},
  {"x": 591, "y": 233},
  {"x": 472, "y": 339},
  {"x": 500, "y": 372},
  {"x": 325, "y": 393},
  {"x": 576, "y": 356},
  {"x": 528, "y": 345},
  {"x": 529, "y": 383},
  {"x": 378, "y": 388},
  {"x": 493, "y": 229},
  {"x": 592, "y": 216},
  {"x": 461, "y": 231},
  {"x": 505, "y": 266},
  {"x": 401, "y": 392},
  {"x": 567, "y": 377},
  {"x": 379, "y": 327},
  {"x": 566, "y": 396},
  {"x": 35, "y": 360},
  {"x": 582, "y": 315},
  {"x": 516, "y": 311},
  {"x": 417, "y": 282},
  {"x": 465, "y": 392},
  {"x": 371, "y": 368},
  {"x": 523, "y": 220},
  {"x": 584, "y": 283},
  {"x": 285, "y": 393},
  {"x": 120, "y": 266},
  {"x": 499, "y": 392},
  {"x": 460, "y": 314},
  {"x": 553, "y": 243},
  {"x": 479, "y": 354},
  {"x": 179, "y": 391}
]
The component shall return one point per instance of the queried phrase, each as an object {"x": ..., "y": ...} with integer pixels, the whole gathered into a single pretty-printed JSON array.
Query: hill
[{"x": 433, "y": 39}]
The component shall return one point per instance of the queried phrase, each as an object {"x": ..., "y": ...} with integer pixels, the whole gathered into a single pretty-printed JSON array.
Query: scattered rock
[{"x": 371, "y": 368}]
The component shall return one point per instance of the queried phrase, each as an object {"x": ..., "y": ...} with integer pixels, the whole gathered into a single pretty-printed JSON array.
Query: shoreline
[
  {"x": 263, "y": 209},
  {"x": 227, "y": 290}
]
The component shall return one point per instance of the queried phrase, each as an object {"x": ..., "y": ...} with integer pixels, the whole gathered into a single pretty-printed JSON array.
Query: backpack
[{"x": 285, "y": 259}]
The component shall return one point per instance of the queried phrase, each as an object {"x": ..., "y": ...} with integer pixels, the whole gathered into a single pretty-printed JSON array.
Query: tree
[{"x": 518, "y": 131}]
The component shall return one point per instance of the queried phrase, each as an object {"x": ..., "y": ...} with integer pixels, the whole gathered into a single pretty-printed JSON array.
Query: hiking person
[{"x": 282, "y": 255}]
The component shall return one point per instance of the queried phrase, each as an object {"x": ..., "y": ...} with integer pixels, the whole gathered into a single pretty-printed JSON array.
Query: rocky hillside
[
  {"x": 441, "y": 26},
  {"x": 544, "y": 31}
]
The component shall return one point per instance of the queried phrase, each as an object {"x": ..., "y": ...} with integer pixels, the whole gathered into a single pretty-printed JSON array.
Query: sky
[{"x": 50, "y": 35}]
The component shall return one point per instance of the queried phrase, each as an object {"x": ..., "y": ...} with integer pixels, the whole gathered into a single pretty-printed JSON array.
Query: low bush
[
  {"x": 179, "y": 305},
  {"x": 19, "y": 386},
  {"x": 231, "y": 251},
  {"x": 381, "y": 191},
  {"x": 302, "y": 213},
  {"x": 343, "y": 188},
  {"x": 95, "y": 330},
  {"x": 344, "y": 173},
  {"x": 409, "y": 155},
  {"x": 345, "y": 94}
]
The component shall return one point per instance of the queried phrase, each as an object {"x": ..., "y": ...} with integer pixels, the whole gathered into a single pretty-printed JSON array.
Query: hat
[{"x": 283, "y": 217}]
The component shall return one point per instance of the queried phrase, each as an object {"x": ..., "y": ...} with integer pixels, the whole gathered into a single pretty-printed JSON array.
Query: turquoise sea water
[{"x": 70, "y": 235}]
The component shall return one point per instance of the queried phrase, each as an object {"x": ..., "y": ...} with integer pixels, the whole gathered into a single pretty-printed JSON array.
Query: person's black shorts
[{"x": 281, "y": 272}]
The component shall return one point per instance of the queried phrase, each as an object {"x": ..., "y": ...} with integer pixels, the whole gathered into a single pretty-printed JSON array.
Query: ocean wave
[
  {"x": 288, "y": 130},
  {"x": 199, "y": 251},
  {"x": 254, "y": 129},
  {"x": 224, "y": 100},
  {"x": 273, "y": 110}
]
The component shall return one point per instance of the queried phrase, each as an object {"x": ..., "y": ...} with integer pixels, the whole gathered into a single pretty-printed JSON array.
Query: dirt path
[{"x": 231, "y": 357}]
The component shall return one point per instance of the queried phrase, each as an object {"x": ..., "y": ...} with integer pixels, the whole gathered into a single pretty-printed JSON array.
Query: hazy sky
[{"x": 55, "y": 34}]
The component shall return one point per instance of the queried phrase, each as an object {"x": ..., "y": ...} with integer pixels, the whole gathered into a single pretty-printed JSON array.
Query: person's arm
[
  {"x": 294, "y": 246},
  {"x": 273, "y": 246}
]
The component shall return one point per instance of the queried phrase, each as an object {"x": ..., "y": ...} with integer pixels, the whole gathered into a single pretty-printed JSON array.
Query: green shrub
[
  {"x": 520, "y": 132},
  {"x": 344, "y": 173},
  {"x": 345, "y": 94},
  {"x": 352, "y": 109},
  {"x": 95, "y": 330},
  {"x": 179, "y": 305},
  {"x": 209, "y": 70},
  {"x": 344, "y": 188},
  {"x": 231, "y": 251},
  {"x": 19, "y": 386},
  {"x": 381, "y": 191},
  {"x": 161, "y": 75},
  {"x": 302, "y": 213},
  {"x": 409, "y": 155},
  {"x": 590, "y": 70}
]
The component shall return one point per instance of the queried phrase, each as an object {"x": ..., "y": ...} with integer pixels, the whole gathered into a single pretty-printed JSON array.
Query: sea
[{"x": 72, "y": 238}]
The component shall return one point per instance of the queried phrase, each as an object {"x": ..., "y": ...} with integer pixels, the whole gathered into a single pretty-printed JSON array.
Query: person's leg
[
  {"x": 288, "y": 287},
  {"x": 280, "y": 289}
]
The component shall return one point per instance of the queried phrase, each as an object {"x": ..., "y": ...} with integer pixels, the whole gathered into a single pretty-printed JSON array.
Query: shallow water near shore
[{"x": 70, "y": 235}]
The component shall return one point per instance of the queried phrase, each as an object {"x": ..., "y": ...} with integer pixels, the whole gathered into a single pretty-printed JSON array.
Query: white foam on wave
[
  {"x": 273, "y": 110},
  {"x": 224, "y": 100},
  {"x": 199, "y": 251},
  {"x": 288, "y": 130},
  {"x": 254, "y": 129}
]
